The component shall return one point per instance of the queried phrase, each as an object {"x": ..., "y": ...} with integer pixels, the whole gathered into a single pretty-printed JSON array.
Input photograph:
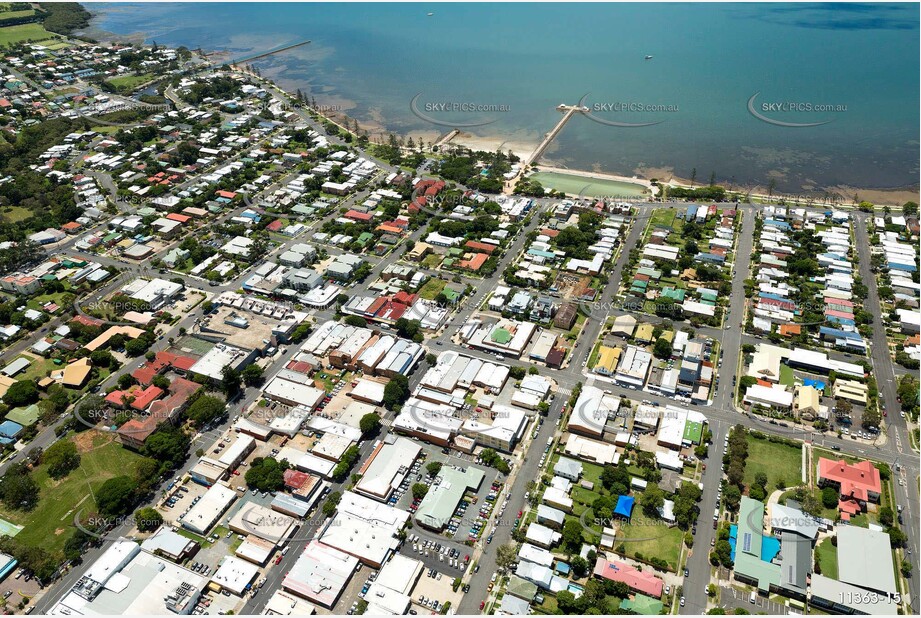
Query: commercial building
[
  {"x": 234, "y": 575},
  {"x": 365, "y": 529},
  {"x": 439, "y": 504},
  {"x": 320, "y": 574},
  {"x": 212, "y": 364},
  {"x": 263, "y": 522},
  {"x": 386, "y": 468},
  {"x": 633, "y": 367},
  {"x": 592, "y": 411},
  {"x": 125, "y": 580},
  {"x": 751, "y": 566},
  {"x": 293, "y": 393},
  {"x": 865, "y": 559},
  {"x": 205, "y": 514},
  {"x": 286, "y": 604}
]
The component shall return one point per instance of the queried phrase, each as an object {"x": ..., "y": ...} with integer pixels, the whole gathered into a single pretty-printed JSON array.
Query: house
[{"x": 858, "y": 483}]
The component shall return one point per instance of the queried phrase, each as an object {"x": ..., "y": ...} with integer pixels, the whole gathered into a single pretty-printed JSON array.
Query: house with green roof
[
  {"x": 521, "y": 588},
  {"x": 652, "y": 273},
  {"x": 749, "y": 568},
  {"x": 439, "y": 504},
  {"x": 674, "y": 294}
]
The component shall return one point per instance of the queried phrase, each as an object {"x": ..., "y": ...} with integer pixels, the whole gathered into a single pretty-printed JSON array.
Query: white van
[{"x": 751, "y": 598}]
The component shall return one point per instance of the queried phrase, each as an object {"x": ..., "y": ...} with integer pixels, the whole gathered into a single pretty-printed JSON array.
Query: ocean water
[{"x": 500, "y": 70}]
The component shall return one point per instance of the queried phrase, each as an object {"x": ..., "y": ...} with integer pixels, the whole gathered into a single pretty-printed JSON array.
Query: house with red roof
[
  {"x": 87, "y": 321},
  {"x": 473, "y": 261},
  {"x": 226, "y": 194},
  {"x": 146, "y": 397},
  {"x": 639, "y": 581},
  {"x": 274, "y": 226},
  {"x": 355, "y": 215},
  {"x": 857, "y": 483},
  {"x": 175, "y": 216},
  {"x": 169, "y": 408},
  {"x": 161, "y": 362},
  {"x": 481, "y": 247}
]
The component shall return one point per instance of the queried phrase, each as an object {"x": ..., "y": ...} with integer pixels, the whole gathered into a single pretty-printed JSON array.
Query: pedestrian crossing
[{"x": 564, "y": 391}]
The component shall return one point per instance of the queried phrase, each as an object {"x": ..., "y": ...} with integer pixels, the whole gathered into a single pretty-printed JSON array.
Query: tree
[
  {"x": 396, "y": 391},
  {"x": 829, "y": 497},
  {"x": 21, "y": 393},
  {"x": 230, "y": 380},
  {"x": 252, "y": 374},
  {"x": 886, "y": 516},
  {"x": 652, "y": 500},
  {"x": 567, "y": 603},
  {"x": 161, "y": 382},
  {"x": 732, "y": 496},
  {"x": 723, "y": 551},
  {"x": 205, "y": 409},
  {"x": 433, "y": 467},
  {"x": 266, "y": 474},
  {"x": 662, "y": 348},
  {"x": 167, "y": 445},
  {"x": 61, "y": 457},
  {"x": 369, "y": 423},
  {"x": 506, "y": 555},
  {"x": 579, "y": 566},
  {"x": 431, "y": 359},
  {"x": 329, "y": 507},
  {"x": 147, "y": 519},
  {"x": 18, "y": 490},
  {"x": 116, "y": 496},
  {"x": 136, "y": 347},
  {"x": 419, "y": 490},
  {"x": 357, "y": 321},
  {"x": 572, "y": 534}
]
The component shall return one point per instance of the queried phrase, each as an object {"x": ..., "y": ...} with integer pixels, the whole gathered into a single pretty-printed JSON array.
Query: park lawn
[
  {"x": 15, "y": 214},
  {"x": 652, "y": 542},
  {"x": 49, "y": 525},
  {"x": 432, "y": 288},
  {"x": 777, "y": 461},
  {"x": 9, "y": 15},
  {"x": 10, "y": 35},
  {"x": 130, "y": 82},
  {"x": 827, "y": 555},
  {"x": 662, "y": 217}
]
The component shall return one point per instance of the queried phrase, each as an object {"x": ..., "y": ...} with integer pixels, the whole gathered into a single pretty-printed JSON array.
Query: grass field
[
  {"x": 662, "y": 217},
  {"x": 15, "y": 214},
  {"x": 827, "y": 555},
  {"x": 775, "y": 460},
  {"x": 432, "y": 288},
  {"x": 8, "y": 15},
  {"x": 652, "y": 542},
  {"x": 126, "y": 83},
  {"x": 10, "y": 35},
  {"x": 50, "y": 523}
]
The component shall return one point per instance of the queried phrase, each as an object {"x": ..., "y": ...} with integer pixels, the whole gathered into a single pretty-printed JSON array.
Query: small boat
[
  {"x": 429, "y": 14},
  {"x": 648, "y": 58}
]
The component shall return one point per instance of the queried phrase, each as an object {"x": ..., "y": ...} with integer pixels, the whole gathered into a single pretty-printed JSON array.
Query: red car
[
  {"x": 519, "y": 514},
  {"x": 482, "y": 604},
  {"x": 278, "y": 560}
]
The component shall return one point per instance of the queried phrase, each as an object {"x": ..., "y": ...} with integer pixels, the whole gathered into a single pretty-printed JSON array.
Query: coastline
[{"x": 522, "y": 146}]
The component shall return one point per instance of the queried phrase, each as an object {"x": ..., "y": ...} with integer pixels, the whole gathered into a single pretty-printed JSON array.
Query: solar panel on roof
[{"x": 747, "y": 542}]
